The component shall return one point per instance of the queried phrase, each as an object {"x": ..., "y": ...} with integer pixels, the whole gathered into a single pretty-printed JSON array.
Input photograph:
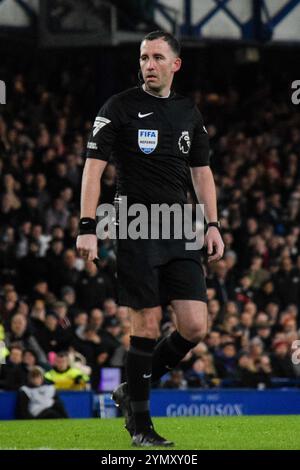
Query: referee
[{"x": 154, "y": 136}]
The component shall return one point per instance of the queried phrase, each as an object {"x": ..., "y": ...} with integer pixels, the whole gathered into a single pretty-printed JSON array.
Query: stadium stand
[{"x": 51, "y": 301}]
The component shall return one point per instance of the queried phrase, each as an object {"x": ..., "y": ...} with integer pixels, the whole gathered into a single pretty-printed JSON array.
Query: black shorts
[{"x": 154, "y": 272}]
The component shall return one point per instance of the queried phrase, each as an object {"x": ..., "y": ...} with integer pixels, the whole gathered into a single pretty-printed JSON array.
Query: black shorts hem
[
  {"x": 135, "y": 306},
  {"x": 189, "y": 297},
  {"x": 162, "y": 303},
  {"x": 144, "y": 285}
]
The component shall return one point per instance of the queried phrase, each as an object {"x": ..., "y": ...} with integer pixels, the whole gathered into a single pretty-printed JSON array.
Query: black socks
[
  {"x": 168, "y": 353},
  {"x": 147, "y": 362},
  {"x": 139, "y": 373}
]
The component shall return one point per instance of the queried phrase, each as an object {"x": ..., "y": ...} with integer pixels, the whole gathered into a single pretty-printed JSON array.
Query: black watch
[{"x": 216, "y": 224}]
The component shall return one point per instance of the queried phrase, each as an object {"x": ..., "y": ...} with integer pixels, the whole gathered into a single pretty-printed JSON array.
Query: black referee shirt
[{"x": 153, "y": 142}]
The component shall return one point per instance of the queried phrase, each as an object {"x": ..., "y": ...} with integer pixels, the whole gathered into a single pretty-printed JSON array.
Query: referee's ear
[
  {"x": 176, "y": 64},
  {"x": 140, "y": 77}
]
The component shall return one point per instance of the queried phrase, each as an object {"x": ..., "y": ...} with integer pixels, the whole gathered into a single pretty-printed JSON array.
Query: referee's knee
[
  {"x": 195, "y": 333},
  {"x": 146, "y": 322},
  {"x": 151, "y": 333}
]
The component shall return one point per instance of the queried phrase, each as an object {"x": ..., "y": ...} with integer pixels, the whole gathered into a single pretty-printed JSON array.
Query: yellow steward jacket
[{"x": 70, "y": 379}]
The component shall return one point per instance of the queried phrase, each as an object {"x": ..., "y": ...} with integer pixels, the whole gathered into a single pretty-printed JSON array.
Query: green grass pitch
[{"x": 196, "y": 433}]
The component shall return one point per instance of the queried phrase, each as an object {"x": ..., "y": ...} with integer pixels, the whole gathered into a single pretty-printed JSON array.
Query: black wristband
[
  {"x": 214, "y": 224},
  {"x": 87, "y": 226}
]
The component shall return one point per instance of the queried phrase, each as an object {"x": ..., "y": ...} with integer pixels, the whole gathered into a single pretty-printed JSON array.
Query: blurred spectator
[
  {"x": 20, "y": 333},
  {"x": 281, "y": 360},
  {"x": 95, "y": 350},
  {"x": 221, "y": 283},
  {"x": 257, "y": 274},
  {"x": 43, "y": 196},
  {"x": 213, "y": 341},
  {"x": 96, "y": 319},
  {"x": 93, "y": 287},
  {"x": 110, "y": 307},
  {"x": 256, "y": 348},
  {"x": 65, "y": 377},
  {"x": 13, "y": 374},
  {"x": 226, "y": 360},
  {"x": 57, "y": 214},
  {"x": 264, "y": 372},
  {"x": 287, "y": 283},
  {"x": 80, "y": 322},
  {"x": 119, "y": 354},
  {"x": 246, "y": 372},
  {"x": 114, "y": 328},
  {"x": 29, "y": 358},
  {"x": 60, "y": 308},
  {"x": 42, "y": 293},
  {"x": 71, "y": 232},
  {"x": 264, "y": 333},
  {"x": 68, "y": 274},
  {"x": 32, "y": 268},
  {"x": 68, "y": 295},
  {"x": 266, "y": 295},
  {"x": 202, "y": 373},
  {"x": 175, "y": 380},
  {"x": 38, "y": 400},
  {"x": 52, "y": 337}
]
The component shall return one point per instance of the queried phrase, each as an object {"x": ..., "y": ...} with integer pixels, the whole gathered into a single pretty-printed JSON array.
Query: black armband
[{"x": 87, "y": 226}]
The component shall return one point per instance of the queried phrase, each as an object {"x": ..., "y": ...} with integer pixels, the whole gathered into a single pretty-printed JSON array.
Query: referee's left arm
[
  {"x": 205, "y": 190},
  {"x": 204, "y": 185}
]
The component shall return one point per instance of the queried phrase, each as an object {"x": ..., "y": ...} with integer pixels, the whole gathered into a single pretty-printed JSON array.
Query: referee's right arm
[
  {"x": 90, "y": 193},
  {"x": 99, "y": 149}
]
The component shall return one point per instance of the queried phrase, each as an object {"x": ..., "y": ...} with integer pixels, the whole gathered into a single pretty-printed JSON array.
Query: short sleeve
[
  {"x": 199, "y": 152},
  {"x": 105, "y": 129}
]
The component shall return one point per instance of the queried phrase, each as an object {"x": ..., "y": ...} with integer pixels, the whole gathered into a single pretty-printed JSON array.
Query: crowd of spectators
[{"x": 61, "y": 313}]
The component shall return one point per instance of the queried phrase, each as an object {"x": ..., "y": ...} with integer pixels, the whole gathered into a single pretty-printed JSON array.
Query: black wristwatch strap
[{"x": 214, "y": 224}]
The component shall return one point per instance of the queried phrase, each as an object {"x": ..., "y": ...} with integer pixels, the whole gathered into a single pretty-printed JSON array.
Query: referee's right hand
[{"x": 87, "y": 246}]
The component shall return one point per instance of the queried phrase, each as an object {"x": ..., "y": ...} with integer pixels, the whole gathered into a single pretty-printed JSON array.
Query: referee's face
[{"x": 158, "y": 64}]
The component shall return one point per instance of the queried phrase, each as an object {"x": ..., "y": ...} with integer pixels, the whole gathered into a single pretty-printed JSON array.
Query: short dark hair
[
  {"x": 168, "y": 37},
  {"x": 35, "y": 372},
  {"x": 31, "y": 351},
  {"x": 16, "y": 345},
  {"x": 62, "y": 354}
]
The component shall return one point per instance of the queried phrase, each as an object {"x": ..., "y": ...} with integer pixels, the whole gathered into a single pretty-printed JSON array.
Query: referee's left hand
[
  {"x": 87, "y": 246},
  {"x": 214, "y": 243}
]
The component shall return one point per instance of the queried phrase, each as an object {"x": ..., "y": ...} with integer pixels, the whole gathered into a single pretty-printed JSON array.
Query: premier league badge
[
  {"x": 147, "y": 140},
  {"x": 184, "y": 142}
]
